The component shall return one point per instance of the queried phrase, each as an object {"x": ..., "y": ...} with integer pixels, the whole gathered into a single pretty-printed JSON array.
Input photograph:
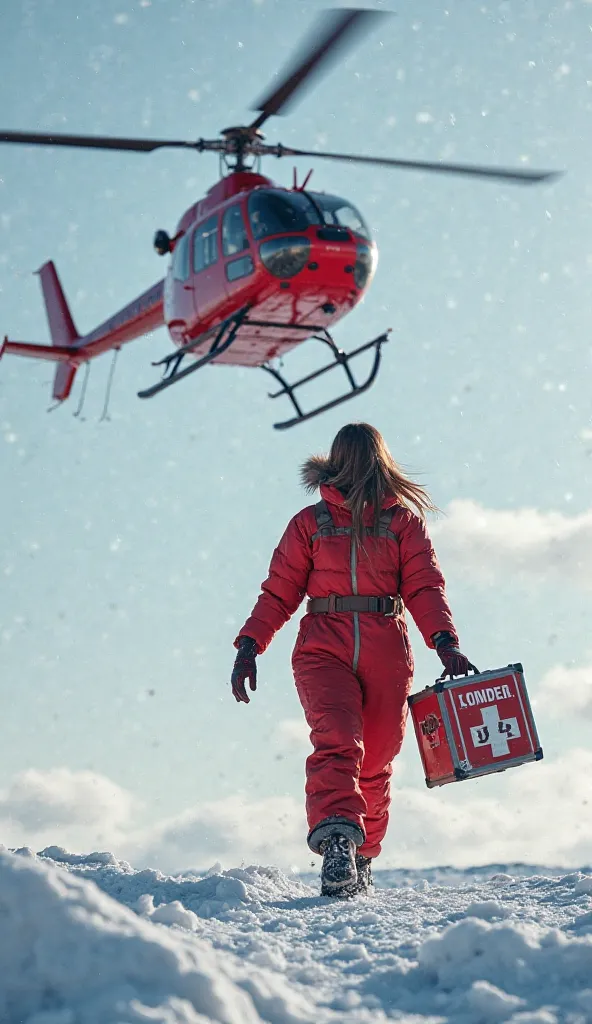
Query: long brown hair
[{"x": 361, "y": 466}]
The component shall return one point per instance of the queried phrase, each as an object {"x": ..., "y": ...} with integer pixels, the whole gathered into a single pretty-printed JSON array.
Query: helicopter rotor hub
[{"x": 241, "y": 141}]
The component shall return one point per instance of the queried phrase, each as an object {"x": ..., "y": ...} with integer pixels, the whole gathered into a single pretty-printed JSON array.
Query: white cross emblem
[{"x": 495, "y": 731}]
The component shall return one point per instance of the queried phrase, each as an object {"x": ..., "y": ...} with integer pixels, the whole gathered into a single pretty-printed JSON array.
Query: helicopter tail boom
[
  {"x": 64, "y": 349},
  {"x": 68, "y": 349},
  {"x": 67, "y": 357}
]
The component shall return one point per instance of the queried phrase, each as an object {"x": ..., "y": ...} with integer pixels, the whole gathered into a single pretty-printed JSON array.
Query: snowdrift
[
  {"x": 88, "y": 940},
  {"x": 70, "y": 953}
]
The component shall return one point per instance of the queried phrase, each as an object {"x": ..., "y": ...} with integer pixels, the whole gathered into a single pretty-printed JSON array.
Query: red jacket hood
[
  {"x": 334, "y": 497},
  {"x": 314, "y": 474}
]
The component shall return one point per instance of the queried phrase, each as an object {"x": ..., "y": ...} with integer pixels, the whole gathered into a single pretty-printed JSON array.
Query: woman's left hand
[
  {"x": 245, "y": 667},
  {"x": 454, "y": 661}
]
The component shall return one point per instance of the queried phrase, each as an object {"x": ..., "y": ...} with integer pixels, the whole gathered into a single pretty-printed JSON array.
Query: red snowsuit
[{"x": 353, "y": 670}]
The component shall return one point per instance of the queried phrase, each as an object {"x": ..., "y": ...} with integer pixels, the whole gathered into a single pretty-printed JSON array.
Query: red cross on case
[{"x": 474, "y": 725}]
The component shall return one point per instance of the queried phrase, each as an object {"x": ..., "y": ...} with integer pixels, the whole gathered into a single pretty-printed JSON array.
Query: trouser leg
[
  {"x": 331, "y": 696},
  {"x": 385, "y": 687}
]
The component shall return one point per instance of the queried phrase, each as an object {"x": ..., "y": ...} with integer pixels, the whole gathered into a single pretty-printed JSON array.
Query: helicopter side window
[
  {"x": 242, "y": 267},
  {"x": 234, "y": 232},
  {"x": 280, "y": 213},
  {"x": 205, "y": 249},
  {"x": 340, "y": 213},
  {"x": 180, "y": 264}
]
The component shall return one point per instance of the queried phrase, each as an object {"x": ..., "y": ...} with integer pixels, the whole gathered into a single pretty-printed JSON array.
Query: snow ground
[{"x": 89, "y": 940}]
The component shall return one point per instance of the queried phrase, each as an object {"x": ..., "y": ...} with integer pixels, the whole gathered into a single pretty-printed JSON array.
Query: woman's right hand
[{"x": 245, "y": 668}]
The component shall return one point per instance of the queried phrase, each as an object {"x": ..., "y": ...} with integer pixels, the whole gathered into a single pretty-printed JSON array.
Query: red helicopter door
[
  {"x": 179, "y": 303},
  {"x": 209, "y": 287},
  {"x": 238, "y": 259}
]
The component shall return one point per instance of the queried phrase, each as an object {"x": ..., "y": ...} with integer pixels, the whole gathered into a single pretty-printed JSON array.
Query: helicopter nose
[{"x": 345, "y": 255}]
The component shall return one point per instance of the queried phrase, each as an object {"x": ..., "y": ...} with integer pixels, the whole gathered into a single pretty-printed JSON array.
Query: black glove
[
  {"x": 245, "y": 667},
  {"x": 455, "y": 663}
]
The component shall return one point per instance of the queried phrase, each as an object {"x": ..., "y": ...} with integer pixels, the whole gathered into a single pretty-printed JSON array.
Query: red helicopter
[{"x": 255, "y": 269}]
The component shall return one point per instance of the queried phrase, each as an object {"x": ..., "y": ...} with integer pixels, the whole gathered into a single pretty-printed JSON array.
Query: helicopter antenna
[{"x": 306, "y": 180}]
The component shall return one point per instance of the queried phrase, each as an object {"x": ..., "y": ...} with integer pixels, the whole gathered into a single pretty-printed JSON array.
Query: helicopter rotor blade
[
  {"x": 334, "y": 31},
  {"x": 518, "y": 176},
  {"x": 94, "y": 141}
]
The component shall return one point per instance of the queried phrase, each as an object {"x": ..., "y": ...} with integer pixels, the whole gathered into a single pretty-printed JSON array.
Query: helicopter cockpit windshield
[
  {"x": 340, "y": 213},
  {"x": 273, "y": 212}
]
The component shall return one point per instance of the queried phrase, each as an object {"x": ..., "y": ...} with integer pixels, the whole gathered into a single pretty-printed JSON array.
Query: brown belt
[{"x": 355, "y": 603}]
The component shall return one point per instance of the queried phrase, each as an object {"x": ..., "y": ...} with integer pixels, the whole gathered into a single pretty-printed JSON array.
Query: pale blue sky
[{"x": 133, "y": 550}]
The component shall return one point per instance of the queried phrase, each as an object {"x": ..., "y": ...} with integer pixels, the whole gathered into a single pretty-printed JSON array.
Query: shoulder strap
[
  {"x": 384, "y": 524},
  {"x": 322, "y": 514},
  {"x": 386, "y": 517},
  {"x": 325, "y": 524}
]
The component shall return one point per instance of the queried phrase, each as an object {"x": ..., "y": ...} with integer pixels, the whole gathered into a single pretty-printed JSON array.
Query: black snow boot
[
  {"x": 338, "y": 873},
  {"x": 365, "y": 883}
]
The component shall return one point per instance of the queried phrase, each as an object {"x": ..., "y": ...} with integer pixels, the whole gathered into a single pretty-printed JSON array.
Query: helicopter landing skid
[
  {"x": 341, "y": 358},
  {"x": 224, "y": 335}
]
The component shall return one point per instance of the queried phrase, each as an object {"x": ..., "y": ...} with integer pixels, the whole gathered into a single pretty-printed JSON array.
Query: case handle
[{"x": 464, "y": 676}]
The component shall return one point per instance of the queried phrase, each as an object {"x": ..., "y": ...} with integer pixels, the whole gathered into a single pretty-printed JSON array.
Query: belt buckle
[{"x": 393, "y": 610}]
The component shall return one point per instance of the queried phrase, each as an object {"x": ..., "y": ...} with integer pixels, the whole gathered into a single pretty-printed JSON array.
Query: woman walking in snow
[{"x": 362, "y": 556}]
